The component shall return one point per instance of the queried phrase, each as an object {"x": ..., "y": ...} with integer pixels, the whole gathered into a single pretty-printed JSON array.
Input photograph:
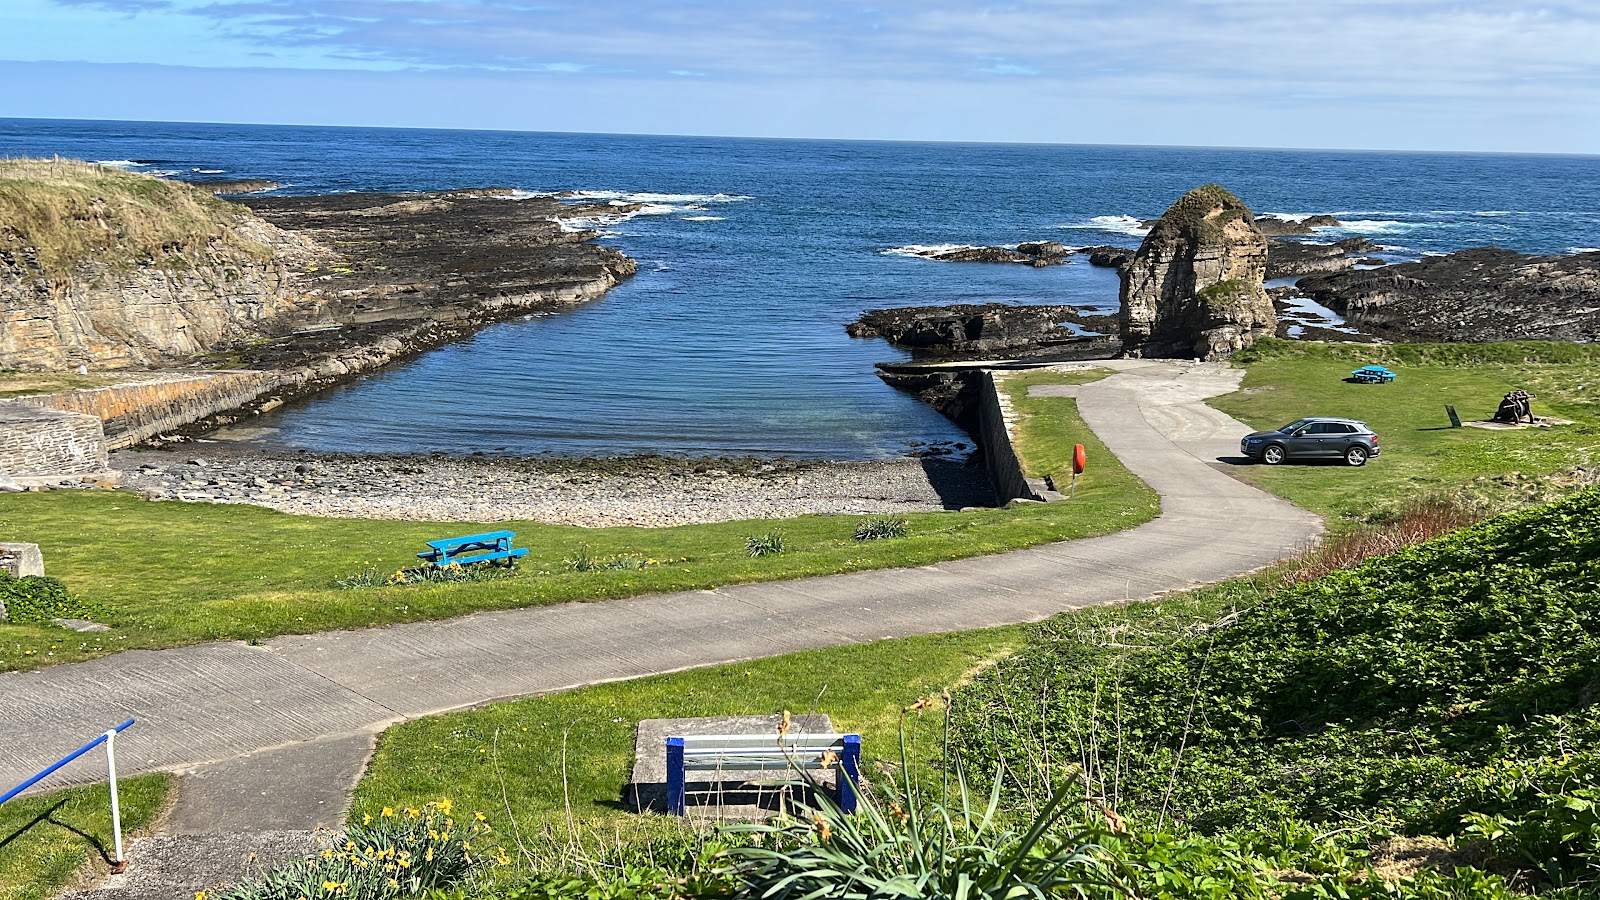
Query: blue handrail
[{"x": 61, "y": 762}]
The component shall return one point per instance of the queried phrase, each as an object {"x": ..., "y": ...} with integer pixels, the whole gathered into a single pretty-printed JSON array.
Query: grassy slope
[
  {"x": 69, "y": 212},
  {"x": 165, "y": 574},
  {"x": 506, "y": 760},
  {"x": 46, "y": 838},
  {"x": 1421, "y": 453}
]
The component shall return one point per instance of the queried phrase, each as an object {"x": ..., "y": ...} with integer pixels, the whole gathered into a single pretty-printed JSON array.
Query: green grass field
[
  {"x": 46, "y": 838},
  {"x": 165, "y": 573},
  {"x": 1421, "y": 453}
]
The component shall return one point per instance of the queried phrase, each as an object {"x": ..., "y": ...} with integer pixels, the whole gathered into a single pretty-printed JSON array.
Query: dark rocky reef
[
  {"x": 974, "y": 331},
  {"x": 1032, "y": 253},
  {"x": 1194, "y": 289},
  {"x": 1108, "y": 257},
  {"x": 1292, "y": 259},
  {"x": 1483, "y": 294},
  {"x": 235, "y": 186},
  {"x": 1272, "y": 226}
]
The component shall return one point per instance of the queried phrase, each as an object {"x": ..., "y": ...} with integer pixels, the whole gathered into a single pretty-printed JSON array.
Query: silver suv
[{"x": 1314, "y": 438}]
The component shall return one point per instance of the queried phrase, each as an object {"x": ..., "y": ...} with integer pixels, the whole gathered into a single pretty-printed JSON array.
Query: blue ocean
[{"x": 754, "y": 254}]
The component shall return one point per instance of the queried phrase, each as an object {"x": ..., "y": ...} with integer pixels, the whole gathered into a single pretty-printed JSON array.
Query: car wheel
[
  {"x": 1273, "y": 454},
  {"x": 1356, "y": 456}
]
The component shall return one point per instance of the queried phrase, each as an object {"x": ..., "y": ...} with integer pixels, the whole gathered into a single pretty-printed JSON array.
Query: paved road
[{"x": 200, "y": 707}]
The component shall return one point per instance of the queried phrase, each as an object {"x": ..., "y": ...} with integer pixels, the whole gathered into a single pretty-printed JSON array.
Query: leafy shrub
[
  {"x": 40, "y": 598},
  {"x": 1399, "y": 694},
  {"x": 394, "y": 855},
  {"x": 767, "y": 544},
  {"x": 910, "y": 846},
  {"x": 880, "y": 528},
  {"x": 583, "y": 561},
  {"x": 453, "y": 572}
]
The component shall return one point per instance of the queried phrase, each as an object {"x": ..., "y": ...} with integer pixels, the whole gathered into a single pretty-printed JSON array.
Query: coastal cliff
[
  {"x": 108, "y": 269},
  {"x": 1194, "y": 289}
]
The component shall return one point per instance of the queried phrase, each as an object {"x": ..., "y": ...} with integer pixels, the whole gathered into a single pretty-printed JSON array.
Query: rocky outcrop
[
  {"x": 1292, "y": 259},
  {"x": 972, "y": 331},
  {"x": 1484, "y": 294},
  {"x": 1108, "y": 257},
  {"x": 1032, "y": 253},
  {"x": 1194, "y": 289},
  {"x": 1272, "y": 226}
]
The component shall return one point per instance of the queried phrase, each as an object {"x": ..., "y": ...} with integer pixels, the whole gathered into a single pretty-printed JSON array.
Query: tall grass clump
[
  {"x": 769, "y": 544},
  {"x": 880, "y": 528}
]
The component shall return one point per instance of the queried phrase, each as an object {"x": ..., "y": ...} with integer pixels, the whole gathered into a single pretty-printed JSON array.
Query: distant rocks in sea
[
  {"x": 234, "y": 187},
  {"x": 971, "y": 331},
  {"x": 1482, "y": 294},
  {"x": 1292, "y": 259},
  {"x": 1032, "y": 253},
  {"x": 1276, "y": 226}
]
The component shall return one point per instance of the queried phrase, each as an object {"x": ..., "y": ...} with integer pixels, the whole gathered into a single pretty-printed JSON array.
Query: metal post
[
  {"x": 118, "y": 864},
  {"x": 849, "y": 776},
  {"x": 676, "y": 787},
  {"x": 1073, "y": 490}
]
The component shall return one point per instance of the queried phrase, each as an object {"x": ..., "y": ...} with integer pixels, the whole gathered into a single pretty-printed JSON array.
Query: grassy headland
[{"x": 68, "y": 212}]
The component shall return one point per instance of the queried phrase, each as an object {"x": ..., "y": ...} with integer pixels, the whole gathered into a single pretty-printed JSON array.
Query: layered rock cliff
[
  {"x": 1194, "y": 289},
  {"x": 109, "y": 269},
  {"x": 113, "y": 270}
]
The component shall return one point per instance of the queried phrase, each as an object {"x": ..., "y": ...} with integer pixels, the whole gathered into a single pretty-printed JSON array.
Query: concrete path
[{"x": 199, "y": 707}]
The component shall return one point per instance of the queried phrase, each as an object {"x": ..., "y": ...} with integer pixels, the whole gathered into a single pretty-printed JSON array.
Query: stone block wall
[
  {"x": 995, "y": 431},
  {"x": 137, "y": 411},
  {"x": 35, "y": 441}
]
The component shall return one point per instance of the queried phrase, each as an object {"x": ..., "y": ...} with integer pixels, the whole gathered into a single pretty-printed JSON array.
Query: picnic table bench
[
  {"x": 473, "y": 548},
  {"x": 1372, "y": 375},
  {"x": 763, "y": 753}
]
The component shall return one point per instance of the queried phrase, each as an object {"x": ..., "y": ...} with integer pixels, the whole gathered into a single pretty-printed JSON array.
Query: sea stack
[{"x": 1194, "y": 288}]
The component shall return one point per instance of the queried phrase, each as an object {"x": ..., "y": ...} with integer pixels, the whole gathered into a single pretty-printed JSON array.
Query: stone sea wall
[
  {"x": 136, "y": 411},
  {"x": 996, "y": 425},
  {"x": 40, "y": 441}
]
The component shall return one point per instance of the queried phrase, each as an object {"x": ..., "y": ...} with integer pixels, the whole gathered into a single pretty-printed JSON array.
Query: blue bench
[
  {"x": 473, "y": 548},
  {"x": 749, "y": 753},
  {"x": 1372, "y": 375}
]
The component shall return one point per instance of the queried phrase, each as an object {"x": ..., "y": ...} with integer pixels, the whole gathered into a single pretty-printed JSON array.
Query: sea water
[{"x": 754, "y": 254}]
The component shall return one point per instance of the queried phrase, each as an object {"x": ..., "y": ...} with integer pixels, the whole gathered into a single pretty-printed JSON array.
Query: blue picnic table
[
  {"x": 1372, "y": 375},
  {"x": 473, "y": 548}
]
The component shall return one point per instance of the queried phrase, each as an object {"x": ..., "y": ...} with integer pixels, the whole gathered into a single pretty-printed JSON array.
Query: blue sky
[{"x": 1379, "y": 74}]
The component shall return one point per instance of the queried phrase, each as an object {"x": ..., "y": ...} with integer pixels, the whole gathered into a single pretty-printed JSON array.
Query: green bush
[
  {"x": 880, "y": 528},
  {"x": 40, "y": 598},
  {"x": 768, "y": 544}
]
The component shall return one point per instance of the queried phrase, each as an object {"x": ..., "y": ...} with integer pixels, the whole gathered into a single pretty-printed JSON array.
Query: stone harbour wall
[
  {"x": 995, "y": 424},
  {"x": 137, "y": 411},
  {"x": 38, "y": 441}
]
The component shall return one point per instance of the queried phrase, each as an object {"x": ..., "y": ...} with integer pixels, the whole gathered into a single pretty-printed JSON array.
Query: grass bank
[
  {"x": 68, "y": 212},
  {"x": 547, "y": 769},
  {"x": 166, "y": 574},
  {"x": 45, "y": 839},
  {"x": 1286, "y": 380}
]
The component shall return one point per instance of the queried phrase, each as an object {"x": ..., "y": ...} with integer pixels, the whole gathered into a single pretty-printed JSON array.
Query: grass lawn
[
  {"x": 1421, "y": 453},
  {"x": 46, "y": 838},
  {"x": 166, "y": 573},
  {"x": 506, "y": 760}
]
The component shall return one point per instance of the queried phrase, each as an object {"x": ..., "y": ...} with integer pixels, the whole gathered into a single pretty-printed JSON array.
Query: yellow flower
[
  {"x": 500, "y": 857},
  {"x": 199, "y": 895},
  {"x": 328, "y": 853},
  {"x": 387, "y": 812},
  {"x": 480, "y": 817},
  {"x": 429, "y": 855},
  {"x": 366, "y": 819},
  {"x": 413, "y": 812}
]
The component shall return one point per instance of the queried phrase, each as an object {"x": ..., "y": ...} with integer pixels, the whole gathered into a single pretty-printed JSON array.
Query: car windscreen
[{"x": 1292, "y": 426}]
